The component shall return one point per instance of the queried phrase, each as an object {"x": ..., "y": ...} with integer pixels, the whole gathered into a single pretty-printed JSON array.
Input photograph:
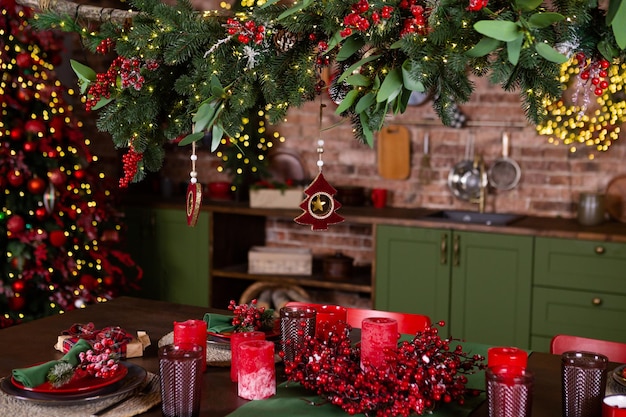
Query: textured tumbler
[
  {"x": 236, "y": 339},
  {"x": 295, "y": 324},
  {"x": 509, "y": 391},
  {"x": 180, "y": 368},
  {"x": 583, "y": 381}
]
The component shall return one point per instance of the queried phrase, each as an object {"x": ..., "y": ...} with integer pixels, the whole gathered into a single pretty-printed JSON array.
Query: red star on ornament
[{"x": 320, "y": 206}]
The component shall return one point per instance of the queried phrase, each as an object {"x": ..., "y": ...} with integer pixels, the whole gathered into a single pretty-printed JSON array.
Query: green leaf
[
  {"x": 396, "y": 45},
  {"x": 549, "y": 53},
  {"x": 528, "y": 5},
  {"x": 619, "y": 27},
  {"x": 402, "y": 101},
  {"x": 301, "y": 5},
  {"x": 608, "y": 51},
  {"x": 485, "y": 46},
  {"x": 615, "y": 7},
  {"x": 217, "y": 133},
  {"x": 502, "y": 30},
  {"x": 194, "y": 137},
  {"x": 514, "y": 48},
  {"x": 408, "y": 80},
  {"x": 334, "y": 40},
  {"x": 358, "y": 80},
  {"x": 349, "y": 47},
  {"x": 391, "y": 86},
  {"x": 203, "y": 116},
  {"x": 217, "y": 89},
  {"x": 354, "y": 66},
  {"x": 367, "y": 132},
  {"x": 102, "y": 102},
  {"x": 85, "y": 75},
  {"x": 347, "y": 102},
  {"x": 365, "y": 102},
  {"x": 543, "y": 20},
  {"x": 268, "y": 3}
]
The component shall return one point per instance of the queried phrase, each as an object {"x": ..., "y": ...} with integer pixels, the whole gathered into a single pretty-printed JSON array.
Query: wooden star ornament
[{"x": 320, "y": 206}]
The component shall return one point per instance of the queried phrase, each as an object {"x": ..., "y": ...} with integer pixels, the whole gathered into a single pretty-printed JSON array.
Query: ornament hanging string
[
  {"x": 194, "y": 190},
  {"x": 320, "y": 141}
]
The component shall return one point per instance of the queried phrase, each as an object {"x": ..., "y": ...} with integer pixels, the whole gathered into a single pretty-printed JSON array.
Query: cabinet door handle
[
  {"x": 444, "y": 249},
  {"x": 456, "y": 250},
  {"x": 599, "y": 250},
  {"x": 596, "y": 301}
]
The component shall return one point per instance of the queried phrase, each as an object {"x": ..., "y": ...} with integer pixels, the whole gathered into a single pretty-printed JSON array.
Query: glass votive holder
[
  {"x": 237, "y": 339},
  {"x": 180, "y": 370},
  {"x": 379, "y": 336},
  {"x": 583, "y": 382},
  {"x": 194, "y": 332},
  {"x": 509, "y": 391},
  {"x": 256, "y": 377},
  {"x": 329, "y": 318},
  {"x": 296, "y": 323}
]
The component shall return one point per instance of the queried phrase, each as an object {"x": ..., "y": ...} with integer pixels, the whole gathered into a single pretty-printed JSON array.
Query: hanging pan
[
  {"x": 465, "y": 179},
  {"x": 505, "y": 173}
]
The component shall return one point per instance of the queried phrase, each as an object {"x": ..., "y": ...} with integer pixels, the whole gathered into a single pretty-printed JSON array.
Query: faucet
[{"x": 479, "y": 164}]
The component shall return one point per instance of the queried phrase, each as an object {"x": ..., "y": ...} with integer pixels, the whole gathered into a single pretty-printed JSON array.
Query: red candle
[
  {"x": 329, "y": 317},
  {"x": 378, "y": 336},
  {"x": 192, "y": 331},
  {"x": 509, "y": 356},
  {"x": 257, "y": 371},
  {"x": 235, "y": 340}
]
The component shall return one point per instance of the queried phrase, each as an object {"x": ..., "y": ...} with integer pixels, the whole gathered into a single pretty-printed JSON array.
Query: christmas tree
[{"x": 59, "y": 230}]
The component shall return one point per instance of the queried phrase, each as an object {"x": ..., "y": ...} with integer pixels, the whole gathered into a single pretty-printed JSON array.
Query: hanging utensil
[
  {"x": 425, "y": 169},
  {"x": 505, "y": 173},
  {"x": 465, "y": 179}
]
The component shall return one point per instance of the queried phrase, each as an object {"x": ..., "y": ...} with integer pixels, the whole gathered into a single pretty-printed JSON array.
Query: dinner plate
[
  {"x": 80, "y": 382},
  {"x": 133, "y": 379},
  {"x": 618, "y": 375},
  {"x": 225, "y": 336}
]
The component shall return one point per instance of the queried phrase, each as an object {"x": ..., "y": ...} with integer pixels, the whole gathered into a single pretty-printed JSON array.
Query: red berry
[{"x": 598, "y": 91}]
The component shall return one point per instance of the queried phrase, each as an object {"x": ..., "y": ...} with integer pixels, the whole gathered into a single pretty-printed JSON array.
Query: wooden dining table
[{"x": 34, "y": 341}]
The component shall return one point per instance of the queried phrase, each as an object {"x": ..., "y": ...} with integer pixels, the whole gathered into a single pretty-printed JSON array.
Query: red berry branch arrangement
[
  {"x": 251, "y": 317},
  {"x": 420, "y": 374}
]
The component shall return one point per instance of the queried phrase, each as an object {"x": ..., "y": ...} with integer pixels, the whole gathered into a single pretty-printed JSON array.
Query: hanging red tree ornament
[
  {"x": 36, "y": 185},
  {"x": 18, "y": 286},
  {"x": 41, "y": 213},
  {"x": 24, "y": 60},
  {"x": 79, "y": 174},
  {"x": 17, "y": 303},
  {"x": 16, "y": 224},
  {"x": 320, "y": 205},
  {"x": 30, "y": 146},
  {"x": 57, "y": 177},
  {"x": 17, "y": 133},
  {"x": 35, "y": 127},
  {"x": 15, "y": 178},
  {"x": 57, "y": 238}
]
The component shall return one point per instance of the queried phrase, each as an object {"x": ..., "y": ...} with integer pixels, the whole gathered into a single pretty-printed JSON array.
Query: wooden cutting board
[{"x": 394, "y": 152}]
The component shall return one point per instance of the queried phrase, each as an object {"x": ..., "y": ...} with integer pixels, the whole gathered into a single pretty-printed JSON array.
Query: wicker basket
[{"x": 280, "y": 294}]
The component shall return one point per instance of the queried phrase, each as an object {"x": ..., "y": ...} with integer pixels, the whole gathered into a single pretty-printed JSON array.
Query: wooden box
[
  {"x": 275, "y": 198},
  {"x": 280, "y": 261}
]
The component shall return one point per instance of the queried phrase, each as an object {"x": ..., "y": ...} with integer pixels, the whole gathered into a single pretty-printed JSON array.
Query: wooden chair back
[
  {"x": 408, "y": 323},
  {"x": 615, "y": 351}
]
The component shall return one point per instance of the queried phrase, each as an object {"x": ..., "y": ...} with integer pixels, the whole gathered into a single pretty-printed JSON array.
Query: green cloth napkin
[
  {"x": 36, "y": 375},
  {"x": 291, "y": 400},
  {"x": 218, "y": 323}
]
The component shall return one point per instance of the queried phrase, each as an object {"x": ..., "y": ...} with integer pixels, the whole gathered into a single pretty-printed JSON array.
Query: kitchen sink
[{"x": 474, "y": 217}]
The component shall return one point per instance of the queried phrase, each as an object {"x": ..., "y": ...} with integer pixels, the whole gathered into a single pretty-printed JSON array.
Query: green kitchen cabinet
[
  {"x": 174, "y": 256},
  {"x": 579, "y": 289},
  {"x": 479, "y": 283}
]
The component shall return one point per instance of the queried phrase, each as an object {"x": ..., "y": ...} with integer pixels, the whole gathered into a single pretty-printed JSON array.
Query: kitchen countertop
[{"x": 559, "y": 227}]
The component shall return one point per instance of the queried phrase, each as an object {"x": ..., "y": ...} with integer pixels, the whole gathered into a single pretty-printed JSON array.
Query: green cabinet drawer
[
  {"x": 580, "y": 264},
  {"x": 582, "y": 313}
]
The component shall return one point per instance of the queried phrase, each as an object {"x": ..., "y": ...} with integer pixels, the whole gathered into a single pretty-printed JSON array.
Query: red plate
[{"x": 81, "y": 382}]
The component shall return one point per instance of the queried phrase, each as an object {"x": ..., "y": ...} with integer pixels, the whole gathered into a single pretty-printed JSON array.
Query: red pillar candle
[
  {"x": 192, "y": 331},
  {"x": 257, "y": 371},
  {"x": 329, "y": 317},
  {"x": 378, "y": 336},
  {"x": 235, "y": 340},
  {"x": 511, "y": 357}
]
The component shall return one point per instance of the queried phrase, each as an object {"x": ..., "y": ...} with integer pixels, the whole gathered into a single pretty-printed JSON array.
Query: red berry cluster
[
  {"x": 416, "y": 22},
  {"x": 246, "y": 33},
  {"x": 594, "y": 70},
  {"x": 130, "y": 162},
  {"x": 250, "y": 317},
  {"x": 420, "y": 374},
  {"x": 130, "y": 73},
  {"x": 101, "y": 361},
  {"x": 359, "y": 20},
  {"x": 105, "y": 46}
]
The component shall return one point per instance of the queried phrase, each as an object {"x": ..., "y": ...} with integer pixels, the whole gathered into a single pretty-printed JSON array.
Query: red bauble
[
  {"x": 79, "y": 174},
  {"x": 16, "y": 224},
  {"x": 24, "y": 60},
  {"x": 17, "y": 133},
  {"x": 57, "y": 177},
  {"x": 17, "y": 303},
  {"x": 57, "y": 238},
  {"x": 109, "y": 281},
  {"x": 25, "y": 94},
  {"x": 30, "y": 146},
  {"x": 41, "y": 213},
  {"x": 35, "y": 126},
  {"x": 15, "y": 178},
  {"x": 18, "y": 286},
  {"x": 36, "y": 185},
  {"x": 89, "y": 282}
]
